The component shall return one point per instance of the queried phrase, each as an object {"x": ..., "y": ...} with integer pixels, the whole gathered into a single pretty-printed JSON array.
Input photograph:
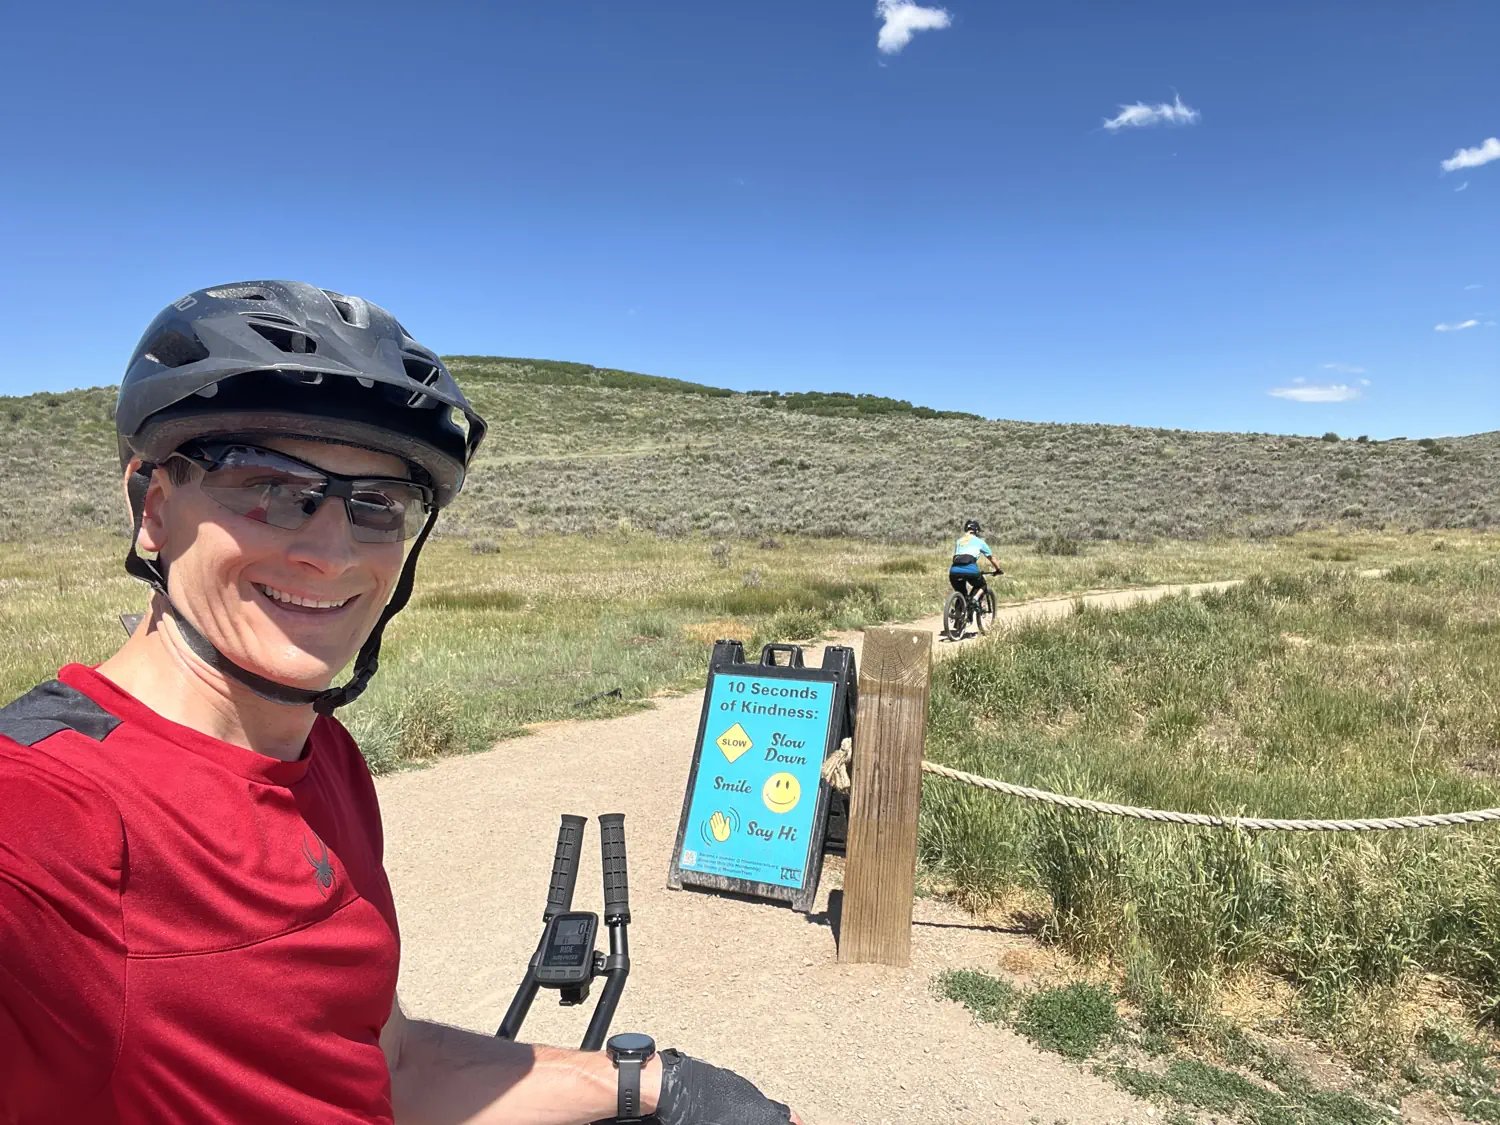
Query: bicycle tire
[
  {"x": 985, "y": 617},
  {"x": 955, "y": 616}
]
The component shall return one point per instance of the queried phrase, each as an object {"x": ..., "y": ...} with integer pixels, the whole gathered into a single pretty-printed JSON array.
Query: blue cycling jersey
[{"x": 966, "y": 554}]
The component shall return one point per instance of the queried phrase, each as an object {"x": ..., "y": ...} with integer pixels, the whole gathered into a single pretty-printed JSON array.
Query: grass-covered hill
[{"x": 577, "y": 448}]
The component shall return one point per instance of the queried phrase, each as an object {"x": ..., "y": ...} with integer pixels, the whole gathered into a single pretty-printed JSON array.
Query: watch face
[{"x": 632, "y": 1046}]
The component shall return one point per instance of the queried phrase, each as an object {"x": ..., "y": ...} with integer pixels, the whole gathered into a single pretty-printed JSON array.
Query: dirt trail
[
  {"x": 747, "y": 985},
  {"x": 1047, "y": 609}
]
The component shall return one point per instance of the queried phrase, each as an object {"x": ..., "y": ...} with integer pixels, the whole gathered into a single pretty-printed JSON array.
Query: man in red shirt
[{"x": 195, "y": 922}]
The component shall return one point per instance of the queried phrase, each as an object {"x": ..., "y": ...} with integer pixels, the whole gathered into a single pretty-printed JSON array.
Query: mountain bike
[{"x": 977, "y": 606}]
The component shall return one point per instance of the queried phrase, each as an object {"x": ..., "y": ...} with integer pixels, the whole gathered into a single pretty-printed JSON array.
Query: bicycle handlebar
[
  {"x": 616, "y": 876},
  {"x": 564, "y": 866}
]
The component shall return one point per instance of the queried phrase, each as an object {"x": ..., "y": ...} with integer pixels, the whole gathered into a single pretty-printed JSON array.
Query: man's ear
[{"x": 153, "y": 535}]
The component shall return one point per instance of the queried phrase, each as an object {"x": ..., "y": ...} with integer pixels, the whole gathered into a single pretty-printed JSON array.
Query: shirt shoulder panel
[
  {"x": 50, "y": 708},
  {"x": 62, "y": 937}
]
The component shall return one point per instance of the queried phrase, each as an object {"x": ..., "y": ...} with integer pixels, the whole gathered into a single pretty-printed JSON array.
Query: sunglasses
[{"x": 272, "y": 488}]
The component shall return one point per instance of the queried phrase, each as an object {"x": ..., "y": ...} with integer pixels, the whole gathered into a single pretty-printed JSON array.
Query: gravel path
[{"x": 748, "y": 985}]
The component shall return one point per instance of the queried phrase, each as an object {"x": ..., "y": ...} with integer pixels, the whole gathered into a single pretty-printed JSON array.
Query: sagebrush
[{"x": 574, "y": 448}]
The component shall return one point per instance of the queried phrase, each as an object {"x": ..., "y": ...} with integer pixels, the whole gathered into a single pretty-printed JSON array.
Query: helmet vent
[
  {"x": 285, "y": 339},
  {"x": 239, "y": 293},
  {"x": 172, "y": 349},
  {"x": 420, "y": 370},
  {"x": 352, "y": 309}
]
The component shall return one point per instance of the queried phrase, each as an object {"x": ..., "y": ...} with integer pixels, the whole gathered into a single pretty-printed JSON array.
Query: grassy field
[
  {"x": 580, "y": 449},
  {"x": 520, "y": 628},
  {"x": 1307, "y": 692},
  {"x": 523, "y": 628}
]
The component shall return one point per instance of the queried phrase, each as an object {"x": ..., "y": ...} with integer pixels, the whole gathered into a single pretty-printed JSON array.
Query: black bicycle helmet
[
  {"x": 286, "y": 358},
  {"x": 971, "y": 526}
]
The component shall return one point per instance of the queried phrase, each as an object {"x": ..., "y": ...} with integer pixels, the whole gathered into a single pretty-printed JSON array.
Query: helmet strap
[{"x": 324, "y": 702}]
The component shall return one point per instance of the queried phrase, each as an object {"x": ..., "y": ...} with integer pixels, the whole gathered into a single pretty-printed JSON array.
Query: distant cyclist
[{"x": 964, "y": 574}]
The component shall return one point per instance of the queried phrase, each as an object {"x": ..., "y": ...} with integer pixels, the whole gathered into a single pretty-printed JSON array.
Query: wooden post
[{"x": 890, "y": 728}]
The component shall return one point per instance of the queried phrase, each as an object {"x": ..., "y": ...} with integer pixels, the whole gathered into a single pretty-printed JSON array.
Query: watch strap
[{"x": 628, "y": 1101}]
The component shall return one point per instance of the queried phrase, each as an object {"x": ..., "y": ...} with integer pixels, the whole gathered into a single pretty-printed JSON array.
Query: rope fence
[{"x": 836, "y": 773}]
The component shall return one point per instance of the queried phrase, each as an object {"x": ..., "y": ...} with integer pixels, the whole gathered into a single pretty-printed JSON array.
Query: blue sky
[{"x": 758, "y": 195}]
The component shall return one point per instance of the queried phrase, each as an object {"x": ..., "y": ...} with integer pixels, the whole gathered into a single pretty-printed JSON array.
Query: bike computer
[{"x": 567, "y": 950}]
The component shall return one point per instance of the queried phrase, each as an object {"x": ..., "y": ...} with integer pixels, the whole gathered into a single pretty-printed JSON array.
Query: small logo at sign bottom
[{"x": 689, "y": 857}]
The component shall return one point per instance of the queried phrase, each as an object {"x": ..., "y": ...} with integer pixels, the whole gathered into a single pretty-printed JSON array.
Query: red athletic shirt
[{"x": 189, "y": 931}]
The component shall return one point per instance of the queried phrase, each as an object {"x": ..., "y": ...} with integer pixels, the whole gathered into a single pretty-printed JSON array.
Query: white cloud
[
  {"x": 1140, "y": 114},
  {"x": 901, "y": 19},
  {"x": 1474, "y": 157},
  {"x": 1463, "y": 186},
  {"x": 1344, "y": 368},
  {"x": 1473, "y": 287},
  {"x": 1337, "y": 392},
  {"x": 1459, "y": 327},
  {"x": 1364, "y": 382}
]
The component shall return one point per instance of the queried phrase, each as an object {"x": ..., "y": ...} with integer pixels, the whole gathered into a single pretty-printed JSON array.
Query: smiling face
[
  {"x": 291, "y": 605},
  {"x": 781, "y": 792}
]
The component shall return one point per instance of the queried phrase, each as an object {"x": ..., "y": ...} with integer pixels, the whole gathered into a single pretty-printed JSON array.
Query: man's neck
[{"x": 157, "y": 668}]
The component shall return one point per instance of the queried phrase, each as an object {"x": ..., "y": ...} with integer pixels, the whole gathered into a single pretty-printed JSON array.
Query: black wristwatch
[{"x": 630, "y": 1052}]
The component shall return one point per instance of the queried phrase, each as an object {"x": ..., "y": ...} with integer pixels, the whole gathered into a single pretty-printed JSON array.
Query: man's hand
[
  {"x": 445, "y": 1076},
  {"x": 695, "y": 1093}
]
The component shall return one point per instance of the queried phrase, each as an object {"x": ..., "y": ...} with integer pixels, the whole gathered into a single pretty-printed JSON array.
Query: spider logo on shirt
[{"x": 322, "y": 864}]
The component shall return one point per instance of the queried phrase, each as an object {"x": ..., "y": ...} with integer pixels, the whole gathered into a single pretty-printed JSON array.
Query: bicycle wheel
[
  {"x": 955, "y": 616},
  {"x": 984, "y": 616}
]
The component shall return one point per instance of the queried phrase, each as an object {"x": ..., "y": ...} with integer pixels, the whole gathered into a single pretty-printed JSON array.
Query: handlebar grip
[
  {"x": 565, "y": 865},
  {"x": 616, "y": 878}
]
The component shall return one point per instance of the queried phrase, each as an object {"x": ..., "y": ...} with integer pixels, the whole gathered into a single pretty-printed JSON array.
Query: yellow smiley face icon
[{"x": 781, "y": 793}]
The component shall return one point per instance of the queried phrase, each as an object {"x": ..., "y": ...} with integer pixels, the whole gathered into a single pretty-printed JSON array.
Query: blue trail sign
[{"x": 756, "y": 808}]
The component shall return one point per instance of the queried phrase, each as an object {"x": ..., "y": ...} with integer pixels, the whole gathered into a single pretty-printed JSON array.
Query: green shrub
[
  {"x": 502, "y": 601},
  {"x": 840, "y": 404},
  {"x": 1056, "y": 543},
  {"x": 1074, "y": 1020},
  {"x": 791, "y": 625},
  {"x": 991, "y": 999},
  {"x": 657, "y": 627},
  {"x": 407, "y": 731},
  {"x": 1079, "y": 862}
]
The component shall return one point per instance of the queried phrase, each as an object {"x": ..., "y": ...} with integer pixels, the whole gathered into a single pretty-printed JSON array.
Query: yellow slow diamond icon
[{"x": 733, "y": 742}]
